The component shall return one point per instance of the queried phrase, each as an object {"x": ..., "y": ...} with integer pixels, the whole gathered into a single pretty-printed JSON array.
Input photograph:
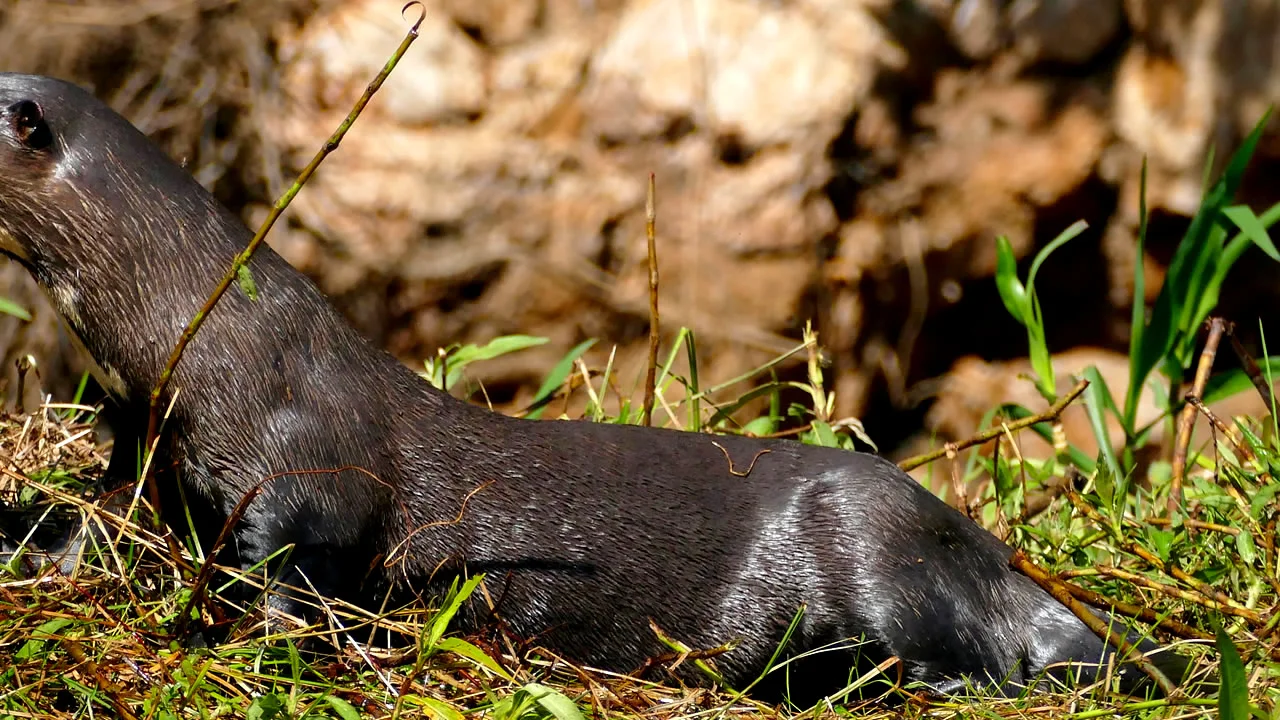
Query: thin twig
[
  {"x": 651, "y": 375},
  {"x": 1187, "y": 416},
  {"x": 1185, "y": 595},
  {"x": 1198, "y": 525},
  {"x": 681, "y": 652},
  {"x": 1246, "y": 455},
  {"x": 1136, "y": 612},
  {"x": 1052, "y": 413},
  {"x": 1251, "y": 369},
  {"x": 277, "y": 210},
  {"x": 1234, "y": 487},
  {"x": 197, "y": 594}
]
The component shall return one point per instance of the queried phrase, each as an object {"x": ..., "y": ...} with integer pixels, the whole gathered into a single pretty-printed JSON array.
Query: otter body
[{"x": 585, "y": 531}]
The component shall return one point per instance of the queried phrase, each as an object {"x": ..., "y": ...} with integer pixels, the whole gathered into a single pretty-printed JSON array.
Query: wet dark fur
[{"x": 586, "y": 531}]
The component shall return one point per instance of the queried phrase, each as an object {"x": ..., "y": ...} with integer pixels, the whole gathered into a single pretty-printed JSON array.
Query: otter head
[
  {"x": 109, "y": 226},
  {"x": 28, "y": 158}
]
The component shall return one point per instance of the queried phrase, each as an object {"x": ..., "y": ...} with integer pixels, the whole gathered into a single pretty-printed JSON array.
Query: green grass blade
[
  {"x": 1233, "y": 695},
  {"x": 1097, "y": 398},
  {"x": 1240, "y": 242},
  {"x": 453, "y": 603},
  {"x": 496, "y": 347},
  {"x": 1012, "y": 293},
  {"x": 555, "y": 703},
  {"x": 556, "y": 378},
  {"x": 664, "y": 372},
  {"x": 462, "y": 648},
  {"x": 1041, "y": 361},
  {"x": 1164, "y": 330},
  {"x": 439, "y": 708},
  {"x": 1138, "y": 311},
  {"x": 8, "y": 307},
  {"x": 695, "y": 406},
  {"x": 726, "y": 411},
  {"x": 1251, "y": 227},
  {"x": 1233, "y": 382},
  {"x": 344, "y": 709},
  {"x": 1063, "y": 238},
  {"x": 1239, "y": 162}
]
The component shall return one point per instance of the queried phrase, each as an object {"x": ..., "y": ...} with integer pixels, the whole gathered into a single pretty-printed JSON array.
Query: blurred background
[{"x": 848, "y": 162}]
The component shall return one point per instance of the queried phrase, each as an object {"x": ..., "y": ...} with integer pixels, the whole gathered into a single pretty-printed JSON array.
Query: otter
[{"x": 585, "y": 531}]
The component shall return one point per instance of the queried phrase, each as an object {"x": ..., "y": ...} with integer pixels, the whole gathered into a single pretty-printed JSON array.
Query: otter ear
[{"x": 27, "y": 121}]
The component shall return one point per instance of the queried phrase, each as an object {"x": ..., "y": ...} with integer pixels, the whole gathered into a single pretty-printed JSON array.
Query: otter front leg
[
  {"x": 128, "y": 430},
  {"x": 296, "y": 570}
]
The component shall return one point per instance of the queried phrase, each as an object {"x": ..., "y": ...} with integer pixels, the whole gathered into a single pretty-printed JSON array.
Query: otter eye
[{"x": 27, "y": 120}]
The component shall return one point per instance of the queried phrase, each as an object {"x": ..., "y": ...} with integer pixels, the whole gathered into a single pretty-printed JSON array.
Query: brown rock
[
  {"x": 963, "y": 184},
  {"x": 496, "y": 22},
  {"x": 739, "y": 67},
  {"x": 1066, "y": 31},
  {"x": 335, "y": 56}
]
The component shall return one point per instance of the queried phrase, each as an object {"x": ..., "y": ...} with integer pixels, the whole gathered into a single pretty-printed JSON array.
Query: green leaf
[
  {"x": 500, "y": 346},
  {"x": 458, "y": 646},
  {"x": 1041, "y": 362},
  {"x": 1232, "y": 382},
  {"x": 496, "y": 347},
  {"x": 823, "y": 434},
  {"x": 1233, "y": 694},
  {"x": 453, "y": 602},
  {"x": 265, "y": 707},
  {"x": 1262, "y": 499},
  {"x": 9, "y": 307},
  {"x": 1104, "y": 481},
  {"x": 1252, "y": 228},
  {"x": 559, "y": 706},
  {"x": 556, "y": 378},
  {"x": 40, "y": 636},
  {"x": 764, "y": 425},
  {"x": 345, "y": 710},
  {"x": 439, "y": 708},
  {"x": 1246, "y": 547},
  {"x": 1022, "y": 303},
  {"x": 245, "y": 279},
  {"x": 1162, "y": 542},
  {"x": 1012, "y": 293}
]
